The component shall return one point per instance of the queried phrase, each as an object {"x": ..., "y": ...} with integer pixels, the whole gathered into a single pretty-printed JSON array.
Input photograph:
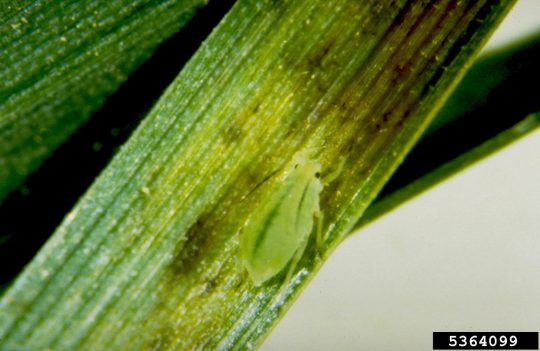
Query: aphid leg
[
  {"x": 243, "y": 273},
  {"x": 296, "y": 258},
  {"x": 318, "y": 233}
]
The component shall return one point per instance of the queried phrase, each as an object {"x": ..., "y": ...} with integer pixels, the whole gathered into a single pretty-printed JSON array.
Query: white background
[{"x": 464, "y": 256}]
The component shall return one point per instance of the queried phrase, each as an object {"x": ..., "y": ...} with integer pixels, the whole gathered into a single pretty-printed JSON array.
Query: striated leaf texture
[
  {"x": 59, "y": 60},
  {"x": 391, "y": 200},
  {"x": 148, "y": 259}
]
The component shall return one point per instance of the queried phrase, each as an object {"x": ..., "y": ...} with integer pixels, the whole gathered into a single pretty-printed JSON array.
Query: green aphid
[{"x": 278, "y": 231}]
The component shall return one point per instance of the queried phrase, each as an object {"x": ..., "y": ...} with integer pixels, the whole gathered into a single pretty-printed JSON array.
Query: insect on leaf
[{"x": 279, "y": 230}]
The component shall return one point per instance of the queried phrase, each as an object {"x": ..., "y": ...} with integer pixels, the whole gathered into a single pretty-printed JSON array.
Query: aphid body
[{"x": 278, "y": 231}]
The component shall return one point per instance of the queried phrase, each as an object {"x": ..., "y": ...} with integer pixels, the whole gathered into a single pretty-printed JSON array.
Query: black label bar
[{"x": 485, "y": 340}]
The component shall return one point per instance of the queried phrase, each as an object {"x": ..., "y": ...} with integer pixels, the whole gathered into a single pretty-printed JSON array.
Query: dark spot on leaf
[
  {"x": 191, "y": 249},
  {"x": 316, "y": 61},
  {"x": 161, "y": 340},
  {"x": 403, "y": 118},
  {"x": 233, "y": 134},
  {"x": 210, "y": 286},
  {"x": 256, "y": 108}
]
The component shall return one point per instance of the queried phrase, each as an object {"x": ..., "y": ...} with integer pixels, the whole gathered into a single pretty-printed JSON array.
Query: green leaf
[
  {"x": 148, "y": 259},
  {"x": 390, "y": 201},
  {"x": 60, "y": 60},
  {"x": 480, "y": 117}
]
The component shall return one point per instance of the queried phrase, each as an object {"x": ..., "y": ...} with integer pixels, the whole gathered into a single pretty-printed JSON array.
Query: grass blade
[
  {"x": 148, "y": 258},
  {"x": 478, "y": 110},
  {"x": 75, "y": 164},
  {"x": 60, "y": 60},
  {"x": 390, "y": 201}
]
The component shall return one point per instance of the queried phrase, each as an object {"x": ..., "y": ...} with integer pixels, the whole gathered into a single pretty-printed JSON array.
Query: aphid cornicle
[{"x": 278, "y": 231}]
